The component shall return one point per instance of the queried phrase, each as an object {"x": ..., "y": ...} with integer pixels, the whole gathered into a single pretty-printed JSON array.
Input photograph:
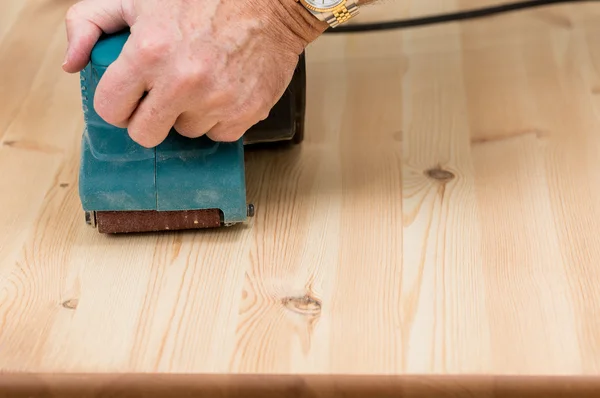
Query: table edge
[{"x": 285, "y": 385}]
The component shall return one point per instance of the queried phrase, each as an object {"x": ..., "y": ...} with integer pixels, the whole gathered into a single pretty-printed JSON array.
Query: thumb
[{"x": 86, "y": 21}]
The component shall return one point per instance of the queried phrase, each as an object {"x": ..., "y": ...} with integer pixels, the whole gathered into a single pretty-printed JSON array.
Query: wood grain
[{"x": 435, "y": 235}]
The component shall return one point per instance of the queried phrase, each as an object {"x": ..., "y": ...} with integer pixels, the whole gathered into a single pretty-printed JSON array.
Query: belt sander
[{"x": 181, "y": 184}]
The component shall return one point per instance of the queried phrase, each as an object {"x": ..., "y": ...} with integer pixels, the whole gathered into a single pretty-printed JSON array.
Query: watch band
[
  {"x": 342, "y": 14},
  {"x": 336, "y": 15}
]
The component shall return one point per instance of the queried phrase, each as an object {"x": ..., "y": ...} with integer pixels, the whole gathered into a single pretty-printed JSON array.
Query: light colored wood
[{"x": 441, "y": 219}]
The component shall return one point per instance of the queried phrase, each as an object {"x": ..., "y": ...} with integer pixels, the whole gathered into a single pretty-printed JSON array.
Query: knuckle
[
  {"x": 263, "y": 113},
  {"x": 191, "y": 73},
  {"x": 261, "y": 110},
  {"x": 262, "y": 104},
  {"x": 152, "y": 48},
  {"x": 253, "y": 108},
  {"x": 73, "y": 13},
  {"x": 226, "y": 97}
]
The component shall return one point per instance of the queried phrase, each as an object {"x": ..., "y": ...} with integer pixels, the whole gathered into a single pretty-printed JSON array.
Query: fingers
[
  {"x": 153, "y": 119},
  {"x": 233, "y": 129},
  {"x": 132, "y": 74},
  {"x": 119, "y": 92},
  {"x": 227, "y": 132},
  {"x": 193, "y": 125},
  {"x": 86, "y": 20}
]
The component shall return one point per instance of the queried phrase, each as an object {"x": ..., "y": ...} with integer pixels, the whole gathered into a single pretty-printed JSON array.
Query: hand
[{"x": 213, "y": 67}]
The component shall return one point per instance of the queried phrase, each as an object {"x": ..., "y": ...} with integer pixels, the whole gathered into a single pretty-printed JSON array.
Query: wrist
[{"x": 301, "y": 22}]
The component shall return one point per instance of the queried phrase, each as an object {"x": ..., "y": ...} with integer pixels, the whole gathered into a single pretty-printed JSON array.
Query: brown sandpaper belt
[{"x": 114, "y": 222}]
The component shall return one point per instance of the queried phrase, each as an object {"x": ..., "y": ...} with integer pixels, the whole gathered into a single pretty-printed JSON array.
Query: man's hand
[{"x": 213, "y": 67}]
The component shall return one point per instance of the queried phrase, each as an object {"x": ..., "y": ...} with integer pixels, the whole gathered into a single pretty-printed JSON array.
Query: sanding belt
[{"x": 112, "y": 222}]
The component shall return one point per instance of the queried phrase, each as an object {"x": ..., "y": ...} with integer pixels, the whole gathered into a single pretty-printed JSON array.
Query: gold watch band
[
  {"x": 335, "y": 15},
  {"x": 342, "y": 14}
]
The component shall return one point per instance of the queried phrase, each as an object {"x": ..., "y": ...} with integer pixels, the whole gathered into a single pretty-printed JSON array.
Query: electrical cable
[{"x": 449, "y": 17}]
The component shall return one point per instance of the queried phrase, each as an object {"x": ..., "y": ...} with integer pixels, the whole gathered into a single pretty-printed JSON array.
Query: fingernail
[{"x": 66, "y": 58}]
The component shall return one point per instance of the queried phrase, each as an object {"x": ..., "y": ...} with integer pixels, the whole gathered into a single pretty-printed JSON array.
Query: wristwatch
[{"x": 334, "y": 12}]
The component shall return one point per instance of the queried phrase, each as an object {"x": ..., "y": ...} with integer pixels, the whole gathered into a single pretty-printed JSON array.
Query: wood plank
[
  {"x": 9, "y": 11},
  {"x": 436, "y": 231},
  {"x": 36, "y": 145},
  {"x": 551, "y": 108},
  {"x": 443, "y": 299},
  {"x": 523, "y": 273},
  {"x": 23, "y": 51},
  {"x": 574, "y": 185}
]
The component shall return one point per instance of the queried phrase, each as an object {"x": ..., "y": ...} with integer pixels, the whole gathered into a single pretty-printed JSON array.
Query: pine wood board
[{"x": 436, "y": 231}]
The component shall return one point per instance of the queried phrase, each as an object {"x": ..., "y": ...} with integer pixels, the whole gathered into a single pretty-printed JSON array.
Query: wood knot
[
  {"x": 306, "y": 305},
  {"x": 71, "y": 304},
  {"x": 439, "y": 174}
]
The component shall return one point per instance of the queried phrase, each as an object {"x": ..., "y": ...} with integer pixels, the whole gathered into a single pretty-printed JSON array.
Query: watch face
[{"x": 323, "y": 4}]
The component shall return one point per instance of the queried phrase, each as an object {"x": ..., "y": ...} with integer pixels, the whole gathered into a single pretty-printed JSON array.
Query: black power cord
[{"x": 450, "y": 17}]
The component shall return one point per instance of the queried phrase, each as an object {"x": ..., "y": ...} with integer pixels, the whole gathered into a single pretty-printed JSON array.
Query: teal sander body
[{"x": 181, "y": 184}]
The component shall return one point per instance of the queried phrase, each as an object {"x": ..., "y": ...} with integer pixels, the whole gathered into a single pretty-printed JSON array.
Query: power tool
[{"x": 181, "y": 184}]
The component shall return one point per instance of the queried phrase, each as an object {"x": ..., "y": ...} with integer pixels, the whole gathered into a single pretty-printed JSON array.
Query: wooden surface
[{"x": 441, "y": 219}]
